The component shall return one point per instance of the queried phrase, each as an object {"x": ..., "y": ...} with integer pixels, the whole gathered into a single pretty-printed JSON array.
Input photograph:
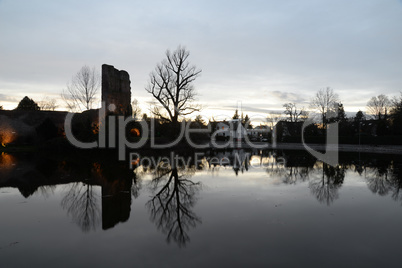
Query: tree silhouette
[
  {"x": 199, "y": 122},
  {"x": 295, "y": 114},
  {"x": 27, "y": 104},
  {"x": 396, "y": 115},
  {"x": 341, "y": 115},
  {"x": 170, "y": 207},
  {"x": 171, "y": 84},
  {"x": 81, "y": 202},
  {"x": 325, "y": 186},
  {"x": 295, "y": 174},
  {"x": 136, "y": 109},
  {"x": 324, "y": 102},
  {"x": 81, "y": 92},
  {"x": 385, "y": 177},
  {"x": 48, "y": 104},
  {"x": 246, "y": 122},
  {"x": 359, "y": 116},
  {"x": 396, "y": 179},
  {"x": 378, "y": 106},
  {"x": 378, "y": 179},
  {"x": 236, "y": 115},
  {"x": 240, "y": 161},
  {"x": 136, "y": 187}
]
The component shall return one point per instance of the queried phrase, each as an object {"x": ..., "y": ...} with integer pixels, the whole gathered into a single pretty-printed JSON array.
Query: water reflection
[
  {"x": 173, "y": 197},
  {"x": 96, "y": 193},
  {"x": 238, "y": 159},
  {"x": 292, "y": 175},
  {"x": 384, "y": 177},
  {"x": 81, "y": 202},
  {"x": 397, "y": 181},
  {"x": 116, "y": 202},
  {"x": 293, "y": 167},
  {"x": 100, "y": 192},
  {"x": 325, "y": 185}
]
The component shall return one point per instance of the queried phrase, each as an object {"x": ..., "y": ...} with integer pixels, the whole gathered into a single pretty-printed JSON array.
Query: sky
[{"x": 260, "y": 53}]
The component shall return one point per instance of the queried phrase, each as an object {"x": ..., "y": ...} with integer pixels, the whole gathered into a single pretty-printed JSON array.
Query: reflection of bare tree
[
  {"x": 275, "y": 171},
  {"x": 397, "y": 193},
  {"x": 136, "y": 187},
  {"x": 325, "y": 186},
  {"x": 359, "y": 168},
  {"x": 396, "y": 178},
  {"x": 273, "y": 167},
  {"x": 385, "y": 179},
  {"x": 170, "y": 207},
  {"x": 291, "y": 167},
  {"x": 46, "y": 190},
  {"x": 378, "y": 181},
  {"x": 241, "y": 161},
  {"x": 81, "y": 202},
  {"x": 295, "y": 174}
]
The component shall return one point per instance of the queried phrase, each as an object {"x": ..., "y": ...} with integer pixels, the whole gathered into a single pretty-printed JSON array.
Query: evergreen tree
[
  {"x": 396, "y": 116},
  {"x": 199, "y": 122},
  {"x": 28, "y": 104},
  {"x": 246, "y": 122},
  {"x": 236, "y": 115},
  {"x": 341, "y": 117},
  {"x": 359, "y": 116}
]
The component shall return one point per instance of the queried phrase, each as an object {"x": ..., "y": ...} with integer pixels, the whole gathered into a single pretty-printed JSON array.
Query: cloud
[
  {"x": 287, "y": 96},
  {"x": 246, "y": 109},
  {"x": 269, "y": 52},
  {"x": 6, "y": 98}
]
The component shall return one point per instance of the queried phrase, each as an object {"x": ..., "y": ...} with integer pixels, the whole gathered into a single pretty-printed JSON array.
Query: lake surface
[{"x": 219, "y": 209}]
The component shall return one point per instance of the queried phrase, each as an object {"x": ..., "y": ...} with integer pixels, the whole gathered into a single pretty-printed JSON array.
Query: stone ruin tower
[{"x": 116, "y": 91}]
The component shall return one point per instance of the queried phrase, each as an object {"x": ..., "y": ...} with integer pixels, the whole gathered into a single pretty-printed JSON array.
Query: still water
[{"x": 227, "y": 209}]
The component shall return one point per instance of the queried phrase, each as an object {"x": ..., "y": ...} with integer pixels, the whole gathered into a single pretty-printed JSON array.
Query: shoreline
[{"x": 364, "y": 148}]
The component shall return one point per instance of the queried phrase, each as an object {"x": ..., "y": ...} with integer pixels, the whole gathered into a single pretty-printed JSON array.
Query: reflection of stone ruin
[
  {"x": 116, "y": 91},
  {"x": 82, "y": 180}
]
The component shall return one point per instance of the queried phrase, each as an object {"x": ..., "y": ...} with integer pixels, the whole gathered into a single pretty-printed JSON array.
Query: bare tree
[
  {"x": 47, "y": 104},
  {"x": 293, "y": 112},
  {"x": 272, "y": 118},
  {"x": 325, "y": 102},
  {"x": 378, "y": 106},
  {"x": 171, "y": 84},
  {"x": 136, "y": 109},
  {"x": 81, "y": 92}
]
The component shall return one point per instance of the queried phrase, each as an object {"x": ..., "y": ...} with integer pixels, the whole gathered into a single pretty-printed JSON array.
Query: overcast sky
[{"x": 262, "y": 53}]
